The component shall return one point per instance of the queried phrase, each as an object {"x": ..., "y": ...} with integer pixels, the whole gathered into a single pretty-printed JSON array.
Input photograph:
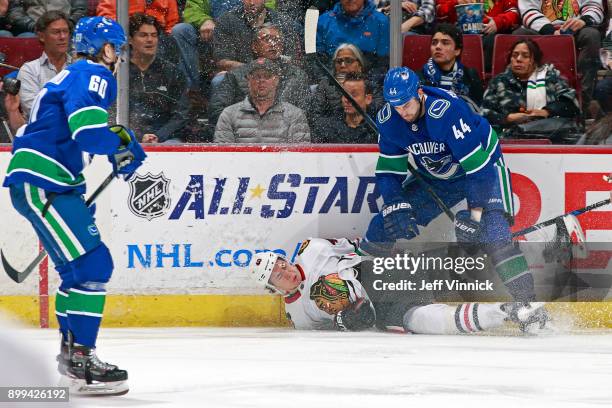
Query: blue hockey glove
[
  {"x": 129, "y": 156},
  {"x": 399, "y": 220}
]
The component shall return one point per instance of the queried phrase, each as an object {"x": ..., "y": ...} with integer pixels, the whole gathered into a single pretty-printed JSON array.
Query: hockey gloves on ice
[
  {"x": 399, "y": 220},
  {"x": 129, "y": 156},
  {"x": 360, "y": 316}
]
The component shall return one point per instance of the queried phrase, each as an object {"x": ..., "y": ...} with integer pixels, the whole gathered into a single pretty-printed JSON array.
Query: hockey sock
[
  {"x": 61, "y": 303},
  {"x": 446, "y": 319},
  {"x": 511, "y": 266},
  {"x": 84, "y": 310}
]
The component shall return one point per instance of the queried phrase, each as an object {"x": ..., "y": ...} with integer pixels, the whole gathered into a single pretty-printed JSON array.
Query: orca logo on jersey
[
  {"x": 443, "y": 168},
  {"x": 437, "y": 108},
  {"x": 149, "y": 195}
]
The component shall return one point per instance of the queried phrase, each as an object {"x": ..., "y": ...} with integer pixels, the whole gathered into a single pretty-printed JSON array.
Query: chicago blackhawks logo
[{"x": 149, "y": 197}]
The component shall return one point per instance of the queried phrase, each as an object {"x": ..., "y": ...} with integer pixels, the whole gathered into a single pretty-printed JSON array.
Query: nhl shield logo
[{"x": 149, "y": 197}]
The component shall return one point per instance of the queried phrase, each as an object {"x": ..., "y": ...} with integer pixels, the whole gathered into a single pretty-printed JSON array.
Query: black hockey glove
[
  {"x": 399, "y": 220},
  {"x": 359, "y": 316},
  {"x": 467, "y": 231}
]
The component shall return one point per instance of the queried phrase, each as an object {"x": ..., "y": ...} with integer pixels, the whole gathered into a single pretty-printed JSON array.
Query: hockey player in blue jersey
[
  {"x": 69, "y": 120},
  {"x": 458, "y": 154}
]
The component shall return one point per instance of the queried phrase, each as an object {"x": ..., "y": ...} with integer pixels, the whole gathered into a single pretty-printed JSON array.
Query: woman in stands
[
  {"x": 527, "y": 91},
  {"x": 326, "y": 100}
]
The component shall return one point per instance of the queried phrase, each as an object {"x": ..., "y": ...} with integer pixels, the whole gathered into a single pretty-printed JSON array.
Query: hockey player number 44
[{"x": 459, "y": 134}]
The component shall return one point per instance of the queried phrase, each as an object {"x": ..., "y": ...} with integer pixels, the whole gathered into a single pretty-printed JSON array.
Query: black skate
[
  {"x": 529, "y": 316},
  {"x": 63, "y": 358},
  {"x": 88, "y": 375}
]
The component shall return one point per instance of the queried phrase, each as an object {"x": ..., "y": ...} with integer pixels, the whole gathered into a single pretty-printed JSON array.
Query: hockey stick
[
  {"x": 310, "y": 35},
  {"x": 554, "y": 220},
  {"x": 20, "y": 276}
]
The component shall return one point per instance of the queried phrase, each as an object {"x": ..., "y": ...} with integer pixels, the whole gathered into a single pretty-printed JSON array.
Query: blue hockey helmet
[
  {"x": 91, "y": 33},
  {"x": 401, "y": 85}
]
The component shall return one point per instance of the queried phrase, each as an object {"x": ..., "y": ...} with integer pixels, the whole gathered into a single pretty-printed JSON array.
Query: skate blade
[{"x": 78, "y": 387}]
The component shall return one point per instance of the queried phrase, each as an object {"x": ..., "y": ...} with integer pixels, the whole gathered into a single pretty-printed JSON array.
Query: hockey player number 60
[{"x": 97, "y": 84}]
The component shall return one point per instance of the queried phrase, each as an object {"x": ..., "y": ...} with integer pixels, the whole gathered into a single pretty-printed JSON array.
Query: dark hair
[
  {"x": 137, "y": 20},
  {"x": 49, "y": 17},
  {"x": 360, "y": 76},
  {"x": 452, "y": 31},
  {"x": 534, "y": 50}
]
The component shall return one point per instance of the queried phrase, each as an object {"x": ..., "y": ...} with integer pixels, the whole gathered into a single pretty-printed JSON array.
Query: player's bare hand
[
  {"x": 409, "y": 6},
  {"x": 206, "y": 30},
  {"x": 149, "y": 138},
  {"x": 490, "y": 27},
  {"x": 518, "y": 118}
]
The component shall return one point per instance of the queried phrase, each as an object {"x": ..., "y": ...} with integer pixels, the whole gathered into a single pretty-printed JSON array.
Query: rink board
[{"x": 183, "y": 231}]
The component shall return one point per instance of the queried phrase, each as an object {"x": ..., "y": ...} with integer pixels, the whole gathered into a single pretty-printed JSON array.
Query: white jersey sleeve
[{"x": 322, "y": 257}]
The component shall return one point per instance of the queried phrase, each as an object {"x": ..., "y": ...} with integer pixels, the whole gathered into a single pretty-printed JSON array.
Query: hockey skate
[
  {"x": 63, "y": 358},
  {"x": 529, "y": 316},
  {"x": 86, "y": 374}
]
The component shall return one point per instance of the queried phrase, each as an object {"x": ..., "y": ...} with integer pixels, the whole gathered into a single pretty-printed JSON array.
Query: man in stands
[
  {"x": 546, "y": 18},
  {"x": 53, "y": 29},
  {"x": 445, "y": 70},
  {"x": 158, "y": 98},
  {"x": 268, "y": 43},
  {"x": 346, "y": 125},
  {"x": 355, "y": 22},
  {"x": 261, "y": 117}
]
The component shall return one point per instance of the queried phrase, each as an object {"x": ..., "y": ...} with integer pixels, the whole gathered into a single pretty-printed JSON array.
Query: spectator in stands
[
  {"x": 356, "y": 22},
  {"x": 326, "y": 98},
  {"x": 348, "y": 126},
  {"x": 546, "y": 17},
  {"x": 53, "y": 29},
  {"x": 293, "y": 82},
  {"x": 445, "y": 70},
  {"x": 5, "y": 27},
  {"x": 158, "y": 89},
  {"x": 23, "y": 14},
  {"x": 194, "y": 37},
  {"x": 417, "y": 16},
  {"x": 501, "y": 17},
  {"x": 261, "y": 117},
  {"x": 164, "y": 11},
  {"x": 236, "y": 29},
  {"x": 527, "y": 90}
]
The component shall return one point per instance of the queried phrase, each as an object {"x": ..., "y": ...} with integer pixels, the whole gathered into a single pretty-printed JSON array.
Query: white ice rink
[{"x": 214, "y": 367}]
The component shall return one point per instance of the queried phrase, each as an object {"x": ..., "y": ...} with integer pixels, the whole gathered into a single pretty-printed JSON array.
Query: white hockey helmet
[{"x": 261, "y": 268}]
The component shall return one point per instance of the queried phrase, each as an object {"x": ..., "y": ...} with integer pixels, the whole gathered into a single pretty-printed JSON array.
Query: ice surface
[{"x": 247, "y": 367}]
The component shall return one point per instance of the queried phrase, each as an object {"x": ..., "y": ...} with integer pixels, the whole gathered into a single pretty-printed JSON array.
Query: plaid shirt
[
  {"x": 506, "y": 94},
  {"x": 426, "y": 9}
]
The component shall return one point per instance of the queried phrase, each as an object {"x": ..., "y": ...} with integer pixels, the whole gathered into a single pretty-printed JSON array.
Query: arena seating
[
  {"x": 416, "y": 52},
  {"x": 17, "y": 51}
]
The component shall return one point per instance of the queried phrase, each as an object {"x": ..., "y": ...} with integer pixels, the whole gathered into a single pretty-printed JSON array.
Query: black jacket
[{"x": 158, "y": 100}]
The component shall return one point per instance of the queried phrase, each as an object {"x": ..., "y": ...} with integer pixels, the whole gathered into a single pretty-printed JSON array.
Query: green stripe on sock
[
  {"x": 512, "y": 268},
  {"x": 91, "y": 303},
  {"x": 392, "y": 164},
  {"x": 61, "y": 303},
  {"x": 70, "y": 247}
]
